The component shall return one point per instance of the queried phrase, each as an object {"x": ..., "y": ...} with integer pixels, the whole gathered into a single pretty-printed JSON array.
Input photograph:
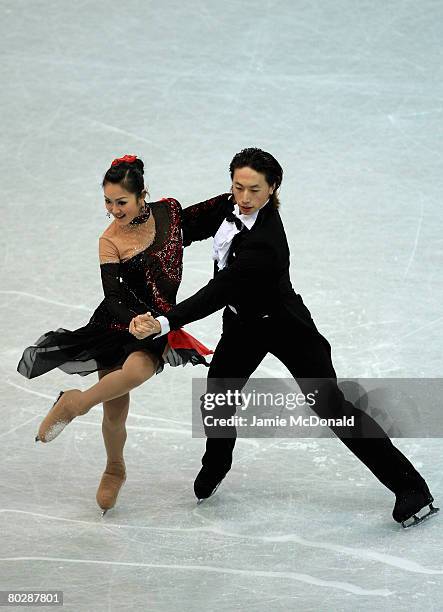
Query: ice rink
[{"x": 348, "y": 96}]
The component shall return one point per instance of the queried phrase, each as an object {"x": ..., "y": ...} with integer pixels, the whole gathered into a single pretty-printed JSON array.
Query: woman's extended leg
[
  {"x": 138, "y": 367},
  {"x": 115, "y": 413}
]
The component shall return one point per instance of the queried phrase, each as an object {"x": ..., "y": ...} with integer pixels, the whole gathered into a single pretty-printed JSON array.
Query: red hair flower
[{"x": 129, "y": 159}]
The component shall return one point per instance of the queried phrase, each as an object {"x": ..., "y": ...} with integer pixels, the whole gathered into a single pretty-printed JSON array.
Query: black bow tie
[{"x": 233, "y": 219}]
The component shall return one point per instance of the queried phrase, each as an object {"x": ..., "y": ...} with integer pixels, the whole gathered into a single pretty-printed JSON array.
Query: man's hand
[
  {"x": 148, "y": 322},
  {"x": 143, "y": 326}
]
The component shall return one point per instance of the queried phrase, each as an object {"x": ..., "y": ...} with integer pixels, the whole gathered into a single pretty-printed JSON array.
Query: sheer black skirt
[{"x": 95, "y": 347}]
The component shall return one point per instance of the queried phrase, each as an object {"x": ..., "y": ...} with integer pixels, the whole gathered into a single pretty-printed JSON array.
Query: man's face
[{"x": 250, "y": 189}]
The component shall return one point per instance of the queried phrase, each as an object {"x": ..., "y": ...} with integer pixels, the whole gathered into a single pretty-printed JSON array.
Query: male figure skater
[{"x": 264, "y": 314}]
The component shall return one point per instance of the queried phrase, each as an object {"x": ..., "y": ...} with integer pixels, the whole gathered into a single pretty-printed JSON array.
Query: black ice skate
[
  {"x": 206, "y": 483},
  {"x": 410, "y": 506}
]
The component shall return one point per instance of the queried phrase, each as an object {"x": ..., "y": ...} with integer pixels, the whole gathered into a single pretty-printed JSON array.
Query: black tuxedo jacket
[{"x": 256, "y": 280}]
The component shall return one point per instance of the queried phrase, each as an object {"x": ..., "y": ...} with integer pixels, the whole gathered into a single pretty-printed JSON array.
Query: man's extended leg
[{"x": 310, "y": 363}]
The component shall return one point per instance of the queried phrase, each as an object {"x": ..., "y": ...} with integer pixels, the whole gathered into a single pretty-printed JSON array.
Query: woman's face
[
  {"x": 121, "y": 204},
  {"x": 250, "y": 189}
]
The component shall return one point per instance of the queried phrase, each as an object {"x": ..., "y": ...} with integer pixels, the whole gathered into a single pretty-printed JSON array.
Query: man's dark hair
[{"x": 262, "y": 162}]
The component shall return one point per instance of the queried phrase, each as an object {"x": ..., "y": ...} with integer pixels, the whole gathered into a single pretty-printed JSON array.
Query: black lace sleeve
[{"x": 115, "y": 292}]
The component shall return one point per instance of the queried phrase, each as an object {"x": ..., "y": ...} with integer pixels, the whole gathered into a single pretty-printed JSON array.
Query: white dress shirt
[
  {"x": 222, "y": 243},
  {"x": 225, "y": 235}
]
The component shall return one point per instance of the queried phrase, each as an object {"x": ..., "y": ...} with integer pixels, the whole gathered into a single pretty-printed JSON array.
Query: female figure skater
[
  {"x": 140, "y": 256},
  {"x": 264, "y": 314}
]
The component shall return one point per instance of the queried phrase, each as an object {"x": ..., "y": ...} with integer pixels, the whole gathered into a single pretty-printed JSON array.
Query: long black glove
[{"x": 117, "y": 294}]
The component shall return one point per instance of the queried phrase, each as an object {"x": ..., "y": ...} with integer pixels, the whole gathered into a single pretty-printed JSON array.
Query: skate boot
[
  {"x": 207, "y": 483},
  {"x": 111, "y": 482},
  {"x": 216, "y": 462},
  {"x": 64, "y": 410},
  {"x": 410, "y": 502}
]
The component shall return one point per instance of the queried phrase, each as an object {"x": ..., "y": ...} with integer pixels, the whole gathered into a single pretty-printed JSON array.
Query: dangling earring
[
  {"x": 108, "y": 215},
  {"x": 146, "y": 210}
]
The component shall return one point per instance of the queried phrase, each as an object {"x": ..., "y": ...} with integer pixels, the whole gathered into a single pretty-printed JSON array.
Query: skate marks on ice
[
  {"x": 362, "y": 554},
  {"x": 306, "y": 578},
  {"x": 417, "y": 235},
  {"x": 358, "y": 553},
  {"x": 47, "y": 300},
  {"x": 23, "y": 424},
  {"x": 293, "y": 576}
]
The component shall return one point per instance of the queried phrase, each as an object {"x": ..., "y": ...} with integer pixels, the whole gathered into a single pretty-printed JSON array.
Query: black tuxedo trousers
[{"x": 307, "y": 355}]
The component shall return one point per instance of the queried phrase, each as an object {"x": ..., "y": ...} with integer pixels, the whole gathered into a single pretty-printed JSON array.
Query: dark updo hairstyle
[
  {"x": 128, "y": 175},
  {"x": 262, "y": 162}
]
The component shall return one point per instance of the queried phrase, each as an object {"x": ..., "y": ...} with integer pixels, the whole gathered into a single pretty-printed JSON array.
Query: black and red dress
[{"x": 134, "y": 284}]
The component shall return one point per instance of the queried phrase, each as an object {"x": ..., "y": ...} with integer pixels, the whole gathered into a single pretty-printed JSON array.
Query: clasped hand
[{"x": 144, "y": 325}]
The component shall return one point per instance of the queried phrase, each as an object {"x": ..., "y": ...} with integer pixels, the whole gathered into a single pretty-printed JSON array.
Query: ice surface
[{"x": 348, "y": 96}]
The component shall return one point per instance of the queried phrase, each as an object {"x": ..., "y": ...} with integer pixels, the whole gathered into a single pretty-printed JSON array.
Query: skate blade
[
  {"x": 416, "y": 520},
  {"x": 200, "y": 501}
]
